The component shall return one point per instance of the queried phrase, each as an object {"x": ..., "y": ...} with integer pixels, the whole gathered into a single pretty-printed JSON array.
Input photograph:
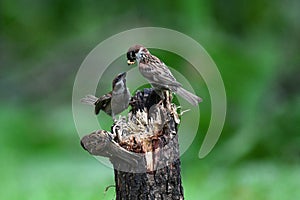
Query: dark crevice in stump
[{"x": 143, "y": 149}]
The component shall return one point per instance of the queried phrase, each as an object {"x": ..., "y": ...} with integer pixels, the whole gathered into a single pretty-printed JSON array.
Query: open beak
[
  {"x": 123, "y": 75},
  {"x": 129, "y": 62}
]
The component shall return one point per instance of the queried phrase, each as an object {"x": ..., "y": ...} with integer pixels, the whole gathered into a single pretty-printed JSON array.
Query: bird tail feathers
[
  {"x": 190, "y": 97},
  {"x": 89, "y": 99}
]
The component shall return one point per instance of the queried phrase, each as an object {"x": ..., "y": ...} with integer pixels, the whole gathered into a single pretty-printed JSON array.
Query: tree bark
[{"x": 143, "y": 148}]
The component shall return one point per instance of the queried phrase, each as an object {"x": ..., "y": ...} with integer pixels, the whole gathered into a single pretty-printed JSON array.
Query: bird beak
[
  {"x": 123, "y": 75},
  {"x": 129, "y": 62}
]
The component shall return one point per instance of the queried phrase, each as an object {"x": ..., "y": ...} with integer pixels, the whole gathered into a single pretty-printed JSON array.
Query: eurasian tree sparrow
[{"x": 158, "y": 74}]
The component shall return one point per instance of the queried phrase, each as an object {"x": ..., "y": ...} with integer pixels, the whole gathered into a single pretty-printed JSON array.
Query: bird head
[
  {"x": 135, "y": 53},
  {"x": 119, "y": 81}
]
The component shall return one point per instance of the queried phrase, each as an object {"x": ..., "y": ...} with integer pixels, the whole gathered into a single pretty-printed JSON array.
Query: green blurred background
[{"x": 254, "y": 44}]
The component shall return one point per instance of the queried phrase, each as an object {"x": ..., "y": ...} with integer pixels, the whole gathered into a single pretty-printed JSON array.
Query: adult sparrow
[
  {"x": 113, "y": 102},
  {"x": 158, "y": 74}
]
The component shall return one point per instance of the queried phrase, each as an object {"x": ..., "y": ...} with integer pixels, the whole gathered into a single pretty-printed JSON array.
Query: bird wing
[
  {"x": 102, "y": 103},
  {"x": 158, "y": 73}
]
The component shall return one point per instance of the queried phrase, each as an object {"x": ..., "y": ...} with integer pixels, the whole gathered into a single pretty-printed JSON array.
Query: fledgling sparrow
[
  {"x": 113, "y": 102},
  {"x": 158, "y": 74}
]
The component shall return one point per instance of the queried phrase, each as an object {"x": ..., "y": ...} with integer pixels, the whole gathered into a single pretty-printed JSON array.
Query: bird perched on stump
[
  {"x": 113, "y": 102},
  {"x": 158, "y": 74}
]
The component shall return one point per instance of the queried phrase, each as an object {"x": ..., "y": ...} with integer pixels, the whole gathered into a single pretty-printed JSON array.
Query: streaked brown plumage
[{"x": 158, "y": 74}]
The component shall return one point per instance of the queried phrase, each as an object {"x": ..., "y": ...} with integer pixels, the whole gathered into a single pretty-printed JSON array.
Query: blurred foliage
[{"x": 254, "y": 44}]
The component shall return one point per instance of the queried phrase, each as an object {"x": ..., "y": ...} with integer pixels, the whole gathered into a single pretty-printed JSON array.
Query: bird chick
[{"x": 113, "y": 102}]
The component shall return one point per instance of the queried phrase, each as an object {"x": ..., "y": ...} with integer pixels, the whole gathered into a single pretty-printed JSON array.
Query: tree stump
[{"x": 143, "y": 148}]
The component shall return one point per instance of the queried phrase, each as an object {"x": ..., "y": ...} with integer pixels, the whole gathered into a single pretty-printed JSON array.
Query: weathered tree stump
[{"x": 143, "y": 148}]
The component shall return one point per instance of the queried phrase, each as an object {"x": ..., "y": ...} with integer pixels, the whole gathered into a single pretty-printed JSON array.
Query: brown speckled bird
[{"x": 158, "y": 74}]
